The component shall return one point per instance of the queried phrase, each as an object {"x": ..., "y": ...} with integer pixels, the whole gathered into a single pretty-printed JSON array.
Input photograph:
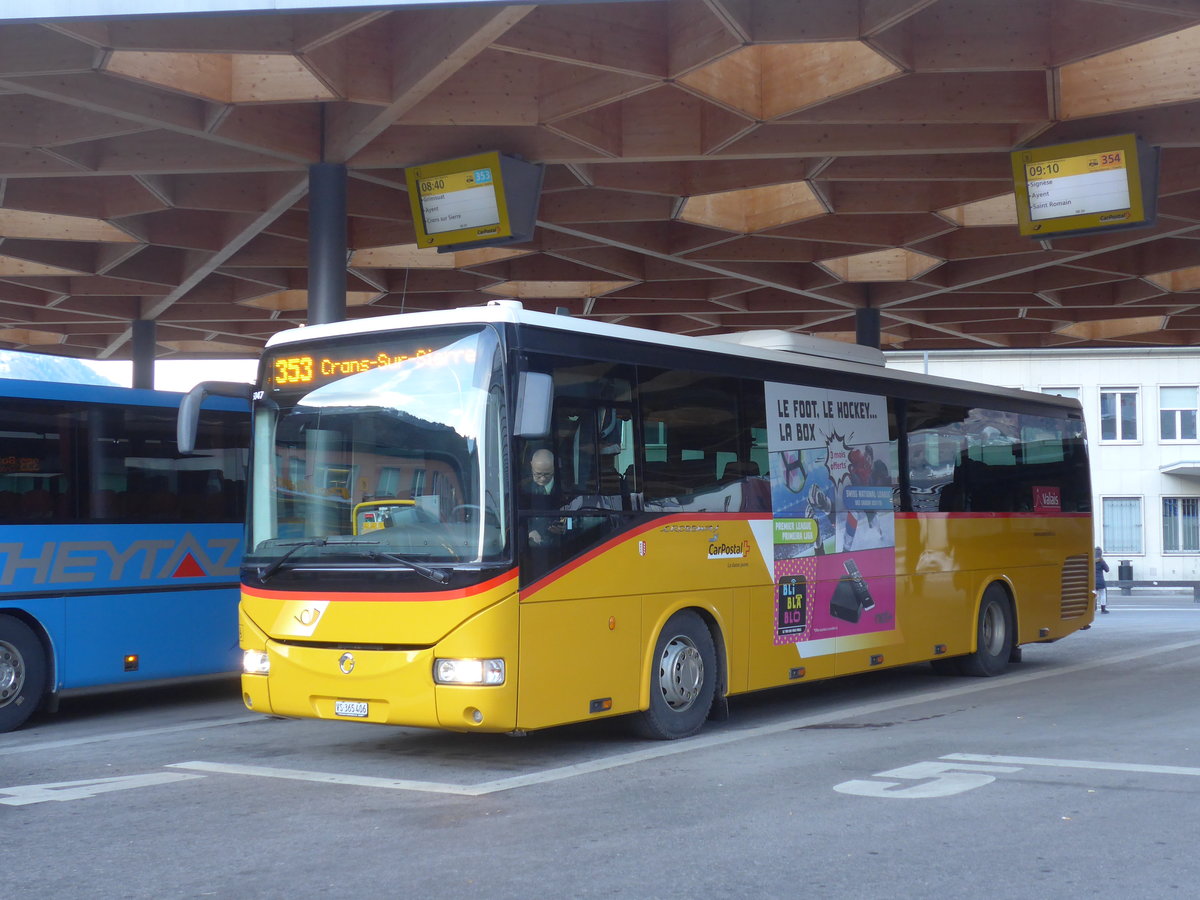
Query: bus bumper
[{"x": 391, "y": 687}]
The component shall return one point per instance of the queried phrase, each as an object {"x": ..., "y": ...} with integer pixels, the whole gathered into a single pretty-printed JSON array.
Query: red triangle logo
[{"x": 188, "y": 568}]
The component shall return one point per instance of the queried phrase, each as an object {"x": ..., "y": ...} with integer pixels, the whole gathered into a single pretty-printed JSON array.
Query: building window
[
  {"x": 1118, "y": 414},
  {"x": 1070, "y": 392},
  {"x": 1122, "y": 524},
  {"x": 1181, "y": 524},
  {"x": 1177, "y": 413}
]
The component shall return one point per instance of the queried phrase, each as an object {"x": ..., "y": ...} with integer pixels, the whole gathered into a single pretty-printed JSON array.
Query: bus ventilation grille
[{"x": 1076, "y": 599}]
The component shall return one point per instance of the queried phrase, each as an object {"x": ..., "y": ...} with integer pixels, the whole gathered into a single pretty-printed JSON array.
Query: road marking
[
  {"x": 938, "y": 779},
  {"x": 60, "y": 791},
  {"x": 688, "y": 745},
  {"x": 956, "y": 773},
  {"x": 394, "y": 784},
  {"x": 1075, "y": 764},
  {"x": 126, "y": 735}
]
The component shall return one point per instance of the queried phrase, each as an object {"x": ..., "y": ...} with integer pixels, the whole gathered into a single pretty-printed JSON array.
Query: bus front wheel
[
  {"x": 22, "y": 673},
  {"x": 994, "y": 635},
  {"x": 683, "y": 679}
]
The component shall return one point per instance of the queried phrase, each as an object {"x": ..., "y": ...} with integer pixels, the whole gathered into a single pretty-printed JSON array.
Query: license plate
[{"x": 355, "y": 708}]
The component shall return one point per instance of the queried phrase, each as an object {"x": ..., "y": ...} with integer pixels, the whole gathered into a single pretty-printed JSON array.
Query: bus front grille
[{"x": 1076, "y": 598}]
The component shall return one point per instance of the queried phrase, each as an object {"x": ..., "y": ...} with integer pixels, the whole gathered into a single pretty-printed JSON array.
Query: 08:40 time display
[{"x": 294, "y": 370}]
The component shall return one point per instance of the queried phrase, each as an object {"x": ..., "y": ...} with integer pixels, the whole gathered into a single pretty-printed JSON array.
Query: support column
[
  {"x": 143, "y": 353},
  {"x": 866, "y": 327},
  {"x": 326, "y": 243}
]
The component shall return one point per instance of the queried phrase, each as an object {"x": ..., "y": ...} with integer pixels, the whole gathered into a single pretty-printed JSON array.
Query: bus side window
[
  {"x": 699, "y": 430},
  {"x": 37, "y": 464},
  {"x": 936, "y": 450},
  {"x": 592, "y": 448}
]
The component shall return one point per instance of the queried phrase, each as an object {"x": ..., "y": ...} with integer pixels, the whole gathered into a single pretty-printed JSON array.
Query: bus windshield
[{"x": 381, "y": 450}]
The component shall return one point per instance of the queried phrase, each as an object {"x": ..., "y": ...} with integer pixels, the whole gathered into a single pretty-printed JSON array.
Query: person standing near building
[{"x": 1101, "y": 584}]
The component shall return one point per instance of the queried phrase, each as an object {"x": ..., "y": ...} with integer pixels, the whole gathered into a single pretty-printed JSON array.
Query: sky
[{"x": 178, "y": 374}]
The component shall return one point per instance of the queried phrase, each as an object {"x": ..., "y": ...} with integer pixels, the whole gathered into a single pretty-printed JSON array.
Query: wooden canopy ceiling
[{"x": 712, "y": 165}]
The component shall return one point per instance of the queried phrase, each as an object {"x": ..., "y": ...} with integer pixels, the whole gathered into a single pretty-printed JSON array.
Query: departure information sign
[
  {"x": 1076, "y": 185},
  {"x": 458, "y": 201},
  {"x": 1084, "y": 186}
]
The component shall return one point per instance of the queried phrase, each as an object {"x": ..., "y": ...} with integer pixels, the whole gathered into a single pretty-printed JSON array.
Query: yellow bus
[{"x": 571, "y": 520}]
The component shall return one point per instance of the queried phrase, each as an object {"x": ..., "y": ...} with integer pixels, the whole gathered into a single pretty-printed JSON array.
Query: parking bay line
[
  {"x": 1074, "y": 764},
  {"x": 673, "y": 748},
  {"x": 126, "y": 735}
]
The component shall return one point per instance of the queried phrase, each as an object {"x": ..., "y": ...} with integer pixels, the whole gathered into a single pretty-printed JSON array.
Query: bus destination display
[{"x": 310, "y": 370}]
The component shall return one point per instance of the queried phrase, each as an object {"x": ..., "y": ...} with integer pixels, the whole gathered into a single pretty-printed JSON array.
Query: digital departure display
[{"x": 1095, "y": 185}]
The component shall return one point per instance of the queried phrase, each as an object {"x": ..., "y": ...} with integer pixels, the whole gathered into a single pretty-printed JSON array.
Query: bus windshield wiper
[
  {"x": 270, "y": 569},
  {"x": 438, "y": 575}
]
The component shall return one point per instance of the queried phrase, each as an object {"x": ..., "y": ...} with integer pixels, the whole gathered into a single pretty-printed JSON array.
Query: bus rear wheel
[
  {"x": 22, "y": 673},
  {"x": 683, "y": 679},
  {"x": 994, "y": 637}
]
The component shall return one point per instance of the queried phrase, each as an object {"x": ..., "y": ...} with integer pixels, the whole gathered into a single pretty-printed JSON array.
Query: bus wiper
[
  {"x": 268, "y": 570},
  {"x": 438, "y": 575}
]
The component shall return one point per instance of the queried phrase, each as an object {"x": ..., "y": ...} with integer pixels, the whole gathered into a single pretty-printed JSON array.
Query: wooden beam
[{"x": 428, "y": 46}]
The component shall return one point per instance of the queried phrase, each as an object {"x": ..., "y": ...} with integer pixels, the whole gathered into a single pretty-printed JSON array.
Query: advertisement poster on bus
[{"x": 834, "y": 538}]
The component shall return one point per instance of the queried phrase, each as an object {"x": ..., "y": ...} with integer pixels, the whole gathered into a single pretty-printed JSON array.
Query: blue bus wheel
[{"x": 22, "y": 673}]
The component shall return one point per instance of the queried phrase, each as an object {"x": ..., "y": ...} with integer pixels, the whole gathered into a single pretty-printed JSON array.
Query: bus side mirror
[
  {"x": 535, "y": 393},
  {"x": 189, "y": 408}
]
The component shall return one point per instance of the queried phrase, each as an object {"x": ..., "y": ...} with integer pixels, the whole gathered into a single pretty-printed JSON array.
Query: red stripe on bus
[
  {"x": 657, "y": 524},
  {"x": 410, "y": 597},
  {"x": 991, "y": 515}
]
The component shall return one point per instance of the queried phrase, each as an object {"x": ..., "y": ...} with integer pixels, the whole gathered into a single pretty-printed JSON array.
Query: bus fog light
[
  {"x": 468, "y": 671},
  {"x": 256, "y": 662}
]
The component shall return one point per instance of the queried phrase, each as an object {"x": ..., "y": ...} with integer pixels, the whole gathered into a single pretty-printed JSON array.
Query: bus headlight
[
  {"x": 256, "y": 662},
  {"x": 468, "y": 671}
]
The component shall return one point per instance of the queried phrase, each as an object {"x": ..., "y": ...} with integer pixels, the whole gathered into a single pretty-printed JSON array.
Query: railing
[{"x": 1126, "y": 585}]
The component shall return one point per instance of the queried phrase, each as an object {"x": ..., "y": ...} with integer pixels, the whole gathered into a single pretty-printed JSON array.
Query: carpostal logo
[{"x": 719, "y": 550}]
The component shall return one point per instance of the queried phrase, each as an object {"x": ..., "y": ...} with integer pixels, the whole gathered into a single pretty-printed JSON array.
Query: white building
[{"x": 1140, "y": 408}]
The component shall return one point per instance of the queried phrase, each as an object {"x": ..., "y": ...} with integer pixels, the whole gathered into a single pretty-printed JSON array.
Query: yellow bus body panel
[
  {"x": 579, "y": 643},
  {"x": 396, "y": 682}
]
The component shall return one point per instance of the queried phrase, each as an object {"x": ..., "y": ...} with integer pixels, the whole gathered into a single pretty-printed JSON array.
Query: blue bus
[{"x": 119, "y": 555}]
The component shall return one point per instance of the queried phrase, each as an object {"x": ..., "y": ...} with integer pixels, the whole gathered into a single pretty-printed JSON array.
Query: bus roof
[
  {"x": 770, "y": 345},
  {"x": 103, "y": 393}
]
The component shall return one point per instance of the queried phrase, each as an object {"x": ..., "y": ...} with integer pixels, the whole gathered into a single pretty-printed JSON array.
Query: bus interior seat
[
  {"x": 737, "y": 469},
  {"x": 658, "y": 480},
  {"x": 37, "y": 504}
]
